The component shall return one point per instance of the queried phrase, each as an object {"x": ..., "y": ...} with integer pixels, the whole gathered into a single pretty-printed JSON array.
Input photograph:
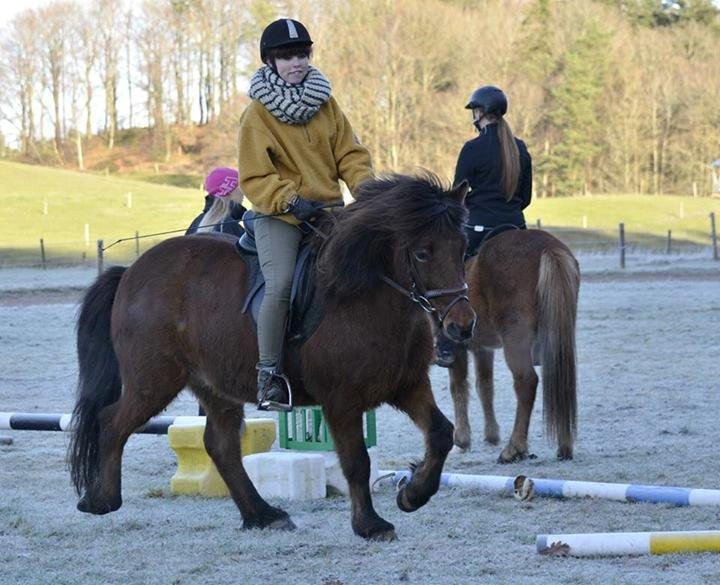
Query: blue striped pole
[
  {"x": 31, "y": 421},
  {"x": 560, "y": 488}
]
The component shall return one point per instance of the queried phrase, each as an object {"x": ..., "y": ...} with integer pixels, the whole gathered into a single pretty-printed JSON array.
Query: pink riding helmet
[{"x": 221, "y": 182}]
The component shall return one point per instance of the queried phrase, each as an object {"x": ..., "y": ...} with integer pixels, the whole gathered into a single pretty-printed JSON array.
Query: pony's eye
[{"x": 422, "y": 255}]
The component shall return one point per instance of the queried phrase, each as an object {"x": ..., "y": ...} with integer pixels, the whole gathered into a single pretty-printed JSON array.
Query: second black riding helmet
[
  {"x": 283, "y": 33},
  {"x": 490, "y": 99}
]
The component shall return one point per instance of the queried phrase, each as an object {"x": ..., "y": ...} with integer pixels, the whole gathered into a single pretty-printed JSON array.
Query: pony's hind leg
[
  {"x": 485, "y": 387},
  {"x": 222, "y": 442},
  {"x": 347, "y": 432},
  {"x": 438, "y": 431},
  {"x": 518, "y": 356},
  {"x": 459, "y": 391},
  {"x": 116, "y": 423}
]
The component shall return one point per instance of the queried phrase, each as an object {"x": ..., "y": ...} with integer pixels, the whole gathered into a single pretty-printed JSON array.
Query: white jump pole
[
  {"x": 560, "y": 488},
  {"x": 628, "y": 543}
]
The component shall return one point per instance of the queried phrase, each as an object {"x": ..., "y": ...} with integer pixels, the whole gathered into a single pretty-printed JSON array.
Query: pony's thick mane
[{"x": 392, "y": 211}]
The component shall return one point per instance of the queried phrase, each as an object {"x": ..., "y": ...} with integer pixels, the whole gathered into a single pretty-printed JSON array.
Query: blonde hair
[
  {"x": 510, "y": 155},
  {"x": 219, "y": 211}
]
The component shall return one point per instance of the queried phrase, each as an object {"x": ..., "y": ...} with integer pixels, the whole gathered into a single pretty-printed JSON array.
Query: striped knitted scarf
[{"x": 289, "y": 103}]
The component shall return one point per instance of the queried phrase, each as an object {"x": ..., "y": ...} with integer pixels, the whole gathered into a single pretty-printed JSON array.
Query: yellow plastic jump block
[{"x": 196, "y": 473}]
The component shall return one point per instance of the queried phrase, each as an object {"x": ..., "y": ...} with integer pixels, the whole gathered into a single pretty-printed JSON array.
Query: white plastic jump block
[
  {"x": 334, "y": 476},
  {"x": 293, "y": 476}
]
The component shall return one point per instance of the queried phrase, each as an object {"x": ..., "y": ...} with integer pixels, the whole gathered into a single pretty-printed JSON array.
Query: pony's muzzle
[
  {"x": 460, "y": 322},
  {"x": 460, "y": 333}
]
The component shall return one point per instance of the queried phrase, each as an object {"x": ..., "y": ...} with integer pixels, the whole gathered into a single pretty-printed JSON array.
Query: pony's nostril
[
  {"x": 465, "y": 333},
  {"x": 454, "y": 332}
]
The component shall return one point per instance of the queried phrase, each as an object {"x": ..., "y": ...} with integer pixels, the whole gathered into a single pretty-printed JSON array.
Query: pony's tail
[
  {"x": 557, "y": 293},
  {"x": 99, "y": 380}
]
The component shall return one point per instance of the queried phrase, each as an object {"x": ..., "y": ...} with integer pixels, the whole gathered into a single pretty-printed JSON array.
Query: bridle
[{"x": 417, "y": 293}]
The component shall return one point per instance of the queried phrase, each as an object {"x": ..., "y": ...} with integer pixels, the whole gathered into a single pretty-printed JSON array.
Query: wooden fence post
[
  {"x": 622, "y": 245},
  {"x": 713, "y": 235},
  {"x": 137, "y": 244},
  {"x": 100, "y": 256},
  {"x": 669, "y": 242},
  {"x": 42, "y": 253},
  {"x": 539, "y": 224}
]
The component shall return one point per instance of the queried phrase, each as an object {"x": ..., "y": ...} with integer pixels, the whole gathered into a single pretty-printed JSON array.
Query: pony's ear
[{"x": 459, "y": 192}]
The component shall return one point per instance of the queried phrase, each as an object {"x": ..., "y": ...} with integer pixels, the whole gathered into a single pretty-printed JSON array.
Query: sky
[{"x": 9, "y": 8}]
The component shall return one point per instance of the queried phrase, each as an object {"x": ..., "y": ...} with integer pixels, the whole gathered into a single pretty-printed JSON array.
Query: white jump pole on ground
[
  {"x": 34, "y": 421},
  {"x": 606, "y": 544},
  {"x": 560, "y": 488}
]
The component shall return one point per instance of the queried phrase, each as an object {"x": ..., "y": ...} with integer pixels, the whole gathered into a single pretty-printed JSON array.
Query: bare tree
[
  {"x": 20, "y": 51},
  {"x": 153, "y": 44},
  {"x": 108, "y": 18}
]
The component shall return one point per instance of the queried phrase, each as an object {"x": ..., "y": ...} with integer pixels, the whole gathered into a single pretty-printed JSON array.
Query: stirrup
[{"x": 274, "y": 406}]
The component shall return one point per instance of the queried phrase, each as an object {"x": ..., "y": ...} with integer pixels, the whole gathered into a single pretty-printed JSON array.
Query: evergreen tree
[
  {"x": 534, "y": 50},
  {"x": 577, "y": 110}
]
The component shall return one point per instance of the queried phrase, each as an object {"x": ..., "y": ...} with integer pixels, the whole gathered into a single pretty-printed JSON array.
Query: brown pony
[
  {"x": 524, "y": 288},
  {"x": 173, "y": 319}
]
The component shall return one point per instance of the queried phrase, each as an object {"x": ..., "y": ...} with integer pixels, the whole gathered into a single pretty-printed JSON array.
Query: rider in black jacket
[{"x": 499, "y": 169}]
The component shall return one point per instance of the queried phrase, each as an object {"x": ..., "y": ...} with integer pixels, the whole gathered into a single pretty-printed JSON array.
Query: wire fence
[{"x": 103, "y": 253}]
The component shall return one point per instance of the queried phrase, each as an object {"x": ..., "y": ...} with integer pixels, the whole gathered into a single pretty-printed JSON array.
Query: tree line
[{"x": 609, "y": 95}]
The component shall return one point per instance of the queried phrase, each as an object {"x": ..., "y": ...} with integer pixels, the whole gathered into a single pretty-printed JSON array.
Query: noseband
[{"x": 423, "y": 297}]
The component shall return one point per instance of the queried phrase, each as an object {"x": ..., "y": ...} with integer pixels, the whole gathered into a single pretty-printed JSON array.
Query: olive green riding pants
[{"x": 277, "y": 245}]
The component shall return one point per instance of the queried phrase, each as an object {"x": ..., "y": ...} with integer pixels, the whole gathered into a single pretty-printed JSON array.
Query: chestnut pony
[
  {"x": 173, "y": 319},
  {"x": 524, "y": 288}
]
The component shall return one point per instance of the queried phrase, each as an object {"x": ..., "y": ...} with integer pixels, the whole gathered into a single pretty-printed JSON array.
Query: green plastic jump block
[{"x": 304, "y": 429}]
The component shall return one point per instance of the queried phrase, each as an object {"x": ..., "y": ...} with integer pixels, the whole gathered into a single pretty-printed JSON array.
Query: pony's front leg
[
  {"x": 420, "y": 405},
  {"x": 347, "y": 433},
  {"x": 222, "y": 442},
  {"x": 459, "y": 391}
]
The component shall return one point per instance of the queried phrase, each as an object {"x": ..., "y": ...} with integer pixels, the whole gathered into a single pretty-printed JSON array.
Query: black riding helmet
[
  {"x": 490, "y": 99},
  {"x": 283, "y": 33}
]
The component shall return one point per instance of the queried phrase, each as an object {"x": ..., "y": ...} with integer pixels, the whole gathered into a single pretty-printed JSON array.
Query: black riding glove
[{"x": 304, "y": 209}]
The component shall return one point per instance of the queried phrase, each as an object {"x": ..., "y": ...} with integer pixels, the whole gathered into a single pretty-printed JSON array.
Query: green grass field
[
  {"x": 40, "y": 202},
  {"x": 56, "y": 205}
]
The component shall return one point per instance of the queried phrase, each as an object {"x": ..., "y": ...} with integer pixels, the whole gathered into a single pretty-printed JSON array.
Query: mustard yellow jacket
[{"x": 278, "y": 160}]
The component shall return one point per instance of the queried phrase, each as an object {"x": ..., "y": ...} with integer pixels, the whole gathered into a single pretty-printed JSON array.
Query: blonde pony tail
[{"x": 510, "y": 159}]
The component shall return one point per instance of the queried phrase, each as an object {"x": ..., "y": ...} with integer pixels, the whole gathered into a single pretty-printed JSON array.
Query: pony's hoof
[
  {"x": 87, "y": 505},
  {"x": 492, "y": 439},
  {"x": 458, "y": 449},
  {"x": 384, "y": 536},
  {"x": 282, "y": 524},
  {"x": 274, "y": 519},
  {"x": 380, "y": 530},
  {"x": 511, "y": 457},
  {"x": 403, "y": 503},
  {"x": 565, "y": 453}
]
